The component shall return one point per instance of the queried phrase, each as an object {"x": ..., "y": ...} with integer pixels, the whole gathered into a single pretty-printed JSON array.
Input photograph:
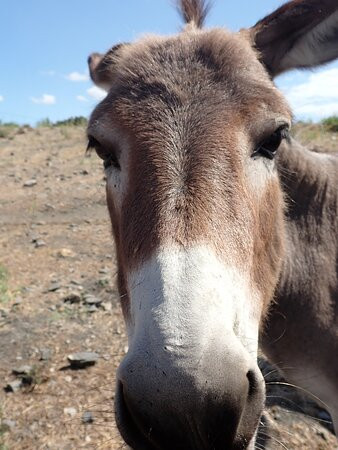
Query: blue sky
[{"x": 45, "y": 44}]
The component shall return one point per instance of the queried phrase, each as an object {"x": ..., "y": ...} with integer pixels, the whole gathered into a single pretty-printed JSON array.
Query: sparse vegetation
[
  {"x": 7, "y": 128},
  {"x": 4, "y": 296},
  {"x": 331, "y": 124},
  {"x": 75, "y": 121},
  {"x": 44, "y": 123},
  {"x": 317, "y": 136},
  {"x": 72, "y": 121}
]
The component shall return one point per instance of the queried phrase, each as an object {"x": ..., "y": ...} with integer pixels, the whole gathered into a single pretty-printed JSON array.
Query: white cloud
[
  {"x": 96, "y": 93},
  {"x": 45, "y": 99},
  {"x": 1, "y": 98},
  {"x": 81, "y": 98},
  {"x": 315, "y": 98},
  {"x": 77, "y": 76}
]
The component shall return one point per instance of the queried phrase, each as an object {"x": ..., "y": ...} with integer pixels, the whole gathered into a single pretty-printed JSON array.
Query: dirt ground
[{"x": 55, "y": 250}]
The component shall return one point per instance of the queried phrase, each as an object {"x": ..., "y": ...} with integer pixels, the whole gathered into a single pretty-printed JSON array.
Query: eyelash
[
  {"x": 109, "y": 157},
  {"x": 268, "y": 148}
]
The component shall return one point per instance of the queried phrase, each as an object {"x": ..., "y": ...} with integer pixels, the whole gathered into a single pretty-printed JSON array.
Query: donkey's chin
[
  {"x": 130, "y": 428},
  {"x": 139, "y": 436}
]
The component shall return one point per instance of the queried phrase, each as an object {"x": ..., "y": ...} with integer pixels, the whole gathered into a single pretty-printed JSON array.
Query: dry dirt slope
[{"x": 55, "y": 243}]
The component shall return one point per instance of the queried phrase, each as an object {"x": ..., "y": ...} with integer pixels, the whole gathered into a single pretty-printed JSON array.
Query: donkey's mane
[{"x": 194, "y": 11}]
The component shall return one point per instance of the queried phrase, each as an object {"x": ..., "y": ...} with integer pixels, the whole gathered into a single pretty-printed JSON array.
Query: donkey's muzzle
[{"x": 170, "y": 409}]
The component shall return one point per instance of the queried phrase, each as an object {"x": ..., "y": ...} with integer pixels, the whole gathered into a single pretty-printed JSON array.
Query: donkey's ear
[
  {"x": 101, "y": 66},
  {"x": 302, "y": 33}
]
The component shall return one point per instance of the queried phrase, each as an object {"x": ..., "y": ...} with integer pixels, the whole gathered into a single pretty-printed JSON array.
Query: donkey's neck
[{"x": 309, "y": 181}]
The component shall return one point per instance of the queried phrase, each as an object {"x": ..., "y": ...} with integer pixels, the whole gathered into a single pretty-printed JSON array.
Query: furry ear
[
  {"x": 101, "y": 66},
  {"x": 300, "y": 34}
]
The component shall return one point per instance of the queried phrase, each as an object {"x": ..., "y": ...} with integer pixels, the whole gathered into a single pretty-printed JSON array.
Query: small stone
[
  {"x": 66, "y": 253},
  {"x": 104, "y": 270},
  {"x": 30, "y": 183},
  {"x": 40, "y": 243},
  {"x": 7, "y": 424},
  {"x": 72, "y": 297},
  {"x": 91, "y": 308},
  {"x": 54, "y": 287},
  {"x": 84, "y": 172},
  {"x": 14, "y": 386},
  {"x": 107, "y": 306},
  {"x": 87, "y": 417},
  {"x": 69, "y": 379},
  {"x": 82, "y": 359},
  {"x": 92, "y": 300},
  {"x": 45, "y": 354},
  {"x": 70, "y": 411},
  {"x": 17, "y": 301},
  {"x": 34, "y": 237},
  {"x": 23, "y": 370}
]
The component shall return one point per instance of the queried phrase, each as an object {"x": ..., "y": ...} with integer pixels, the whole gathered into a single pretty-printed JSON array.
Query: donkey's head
[{"x": 188, "y": 133}]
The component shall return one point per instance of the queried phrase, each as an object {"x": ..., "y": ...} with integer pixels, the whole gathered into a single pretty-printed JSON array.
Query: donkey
[{"x": 217, "y": 213}]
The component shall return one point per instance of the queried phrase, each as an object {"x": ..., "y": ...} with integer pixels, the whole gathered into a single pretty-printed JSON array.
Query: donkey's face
[{"x": 188, "y": 132}]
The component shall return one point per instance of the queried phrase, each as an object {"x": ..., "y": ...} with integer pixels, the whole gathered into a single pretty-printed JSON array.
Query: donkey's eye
[
  {"x": 268, "y": 148},
  {"x": 107, "y": 155}
]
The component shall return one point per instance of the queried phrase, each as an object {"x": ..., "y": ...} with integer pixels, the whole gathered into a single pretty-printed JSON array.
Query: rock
[
  {"x": 34, "y": 237},
  {"x": 82, "y": 359},
  {"x": 40, "y": 243},
  {"x": 54, "y": 287},
  {"x": 92, "y": 300},
  {"x": 30, "y": 183},
  {"x": 84, "y": 172},
  {"x": 23, "y": 370},
  {"x": 14, "y": 386},
  {"x": 104, "y": 270},
  {"x": 70, "y": 411},
  {"x": 17, "y": 301},
  {"x": 91, "y": 308},
  {"x": 7, "y": 424},
  {"x": 107, "y": 306},
  {"x": 72, "y": 297},
  {"x": 45, "y": 354},
  {"x": 87, "y": 417},
  {"x": 66, "y": 253}
]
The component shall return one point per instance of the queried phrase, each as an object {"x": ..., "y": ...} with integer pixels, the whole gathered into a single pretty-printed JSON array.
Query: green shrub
[
  {"x": 3, "y": 284},
  {"x": 331, "y": 124},
  {"x": 6, "y": 128},
  {"x": 44, "y": 123},
  {"x": 72, "y": 122}
]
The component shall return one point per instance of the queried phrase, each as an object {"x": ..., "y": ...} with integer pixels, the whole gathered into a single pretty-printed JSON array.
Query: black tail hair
[{"x": 194, "y": 11}]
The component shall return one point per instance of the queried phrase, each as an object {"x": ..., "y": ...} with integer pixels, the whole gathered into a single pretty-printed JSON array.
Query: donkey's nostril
[{"x": 253, "y": 383}]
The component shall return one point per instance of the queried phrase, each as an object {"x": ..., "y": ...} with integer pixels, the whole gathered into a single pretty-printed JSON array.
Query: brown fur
[
  {"x": 305, "y": 315},
  {"x": 280, "y": 32},
  {"x": 161, "y": 94},
  {"x": 194, "y": 11},
  {"x": 183, "y": 116}
]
